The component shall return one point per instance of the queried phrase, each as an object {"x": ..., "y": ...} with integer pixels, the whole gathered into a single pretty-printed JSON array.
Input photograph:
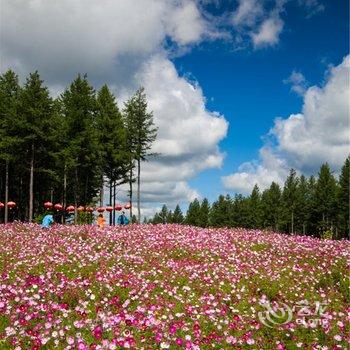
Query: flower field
[{"x": 171, "y": 287}]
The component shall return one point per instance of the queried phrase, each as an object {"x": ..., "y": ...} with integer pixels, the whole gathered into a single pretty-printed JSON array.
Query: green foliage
[
  {"x": 141, "y": 134},
  {"x": 272, "y": 207},
  {"x": 325, "y": 199},
  {"x": 84, "y": 218},
  {"x": 327, "y": 234},
  {"x": 203, "y": 219},
  {"x": 178, "y": 217},
  {"x": 343, "y": 196},
  {"x": 193, "y": 213},
  {"x": 75, "y": 142},
  {"x": 311, "y": 206},
  {"x": 83, "y": 154}
]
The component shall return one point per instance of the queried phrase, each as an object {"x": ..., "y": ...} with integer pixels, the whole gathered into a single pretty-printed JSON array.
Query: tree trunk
[
  {"x": 31, "y": 186},
  {"x": 114, "y": 189},
  {"x": 138, "y": 191},
  {"x": 130, "y": 193},
  {"x": 64, "y": 190},
  {"x": 110, "y": 201},
  {"x": 76, "y": 199},
  {"x": 6, "y": 191},
  {"x": 101, "y": 191}
]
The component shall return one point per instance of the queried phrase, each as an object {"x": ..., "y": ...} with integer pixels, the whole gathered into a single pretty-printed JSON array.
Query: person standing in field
[
  {"x": 47, "y": 221},
  {"x": 122, "y": 219},
  {"x": 101, "y": 221}
]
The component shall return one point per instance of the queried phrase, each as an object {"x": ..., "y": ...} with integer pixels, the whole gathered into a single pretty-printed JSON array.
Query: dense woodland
[
  {"x": 67, "y": 149},
  {"x": 317, "y": 206}
]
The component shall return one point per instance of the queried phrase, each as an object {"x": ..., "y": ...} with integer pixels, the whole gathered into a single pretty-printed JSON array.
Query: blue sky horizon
[{"x": 242, "y": 90}]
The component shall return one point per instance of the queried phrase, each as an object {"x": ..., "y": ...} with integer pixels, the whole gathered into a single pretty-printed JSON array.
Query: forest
[
  {"x": 68, "y": 149},
  {"x": 316, "y": 206}
]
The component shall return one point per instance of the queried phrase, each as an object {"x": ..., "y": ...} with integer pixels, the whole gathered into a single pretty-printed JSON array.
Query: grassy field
[{"x": 171, "y": 287}]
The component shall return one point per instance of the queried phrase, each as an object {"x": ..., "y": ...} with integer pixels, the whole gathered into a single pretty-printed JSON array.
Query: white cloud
[
  {"x": 298, "y": 83},
  {"x": 268, "y": 32},
  {"x": 320, "y": 133},
  {"x": 270, "y": 168},
  {"x": 247, "y": 13},
  {"x": 122, "y": 43}
]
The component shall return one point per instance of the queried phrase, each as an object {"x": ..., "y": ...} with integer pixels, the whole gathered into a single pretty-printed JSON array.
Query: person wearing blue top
[
  {"x": 47, "y": 221},
  {"x": 122, "y": 219}
]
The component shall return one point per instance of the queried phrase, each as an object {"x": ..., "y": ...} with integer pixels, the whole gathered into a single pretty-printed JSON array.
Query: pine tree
[
  {"x": 112, "y": 140},
  {"x": 9, "y": 140},
  {"x": 163, "y": 215},
  {"x": 343, "y": 196},
  {"x": 178, "y": 217},
  {"x": 83, "y": 152},
  {"x": 169, "y": 218},
  {"x": 221, "y": 212},
  {"x": 142, "y": 133},
  {"x": 36, "y": 126},
  {"x": 254, "y": 219},
  {"x": 325, "y": 199},
  {"x": 302, "y": 205},
  {"x": 193, "y": 213},
  {"x": 203, "y": 219},
  {"x": 289, "y": 200},
  {"x": 271, "y": 200}
]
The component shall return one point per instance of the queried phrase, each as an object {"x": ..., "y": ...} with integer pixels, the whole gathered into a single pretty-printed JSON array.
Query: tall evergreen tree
[
  {"x": 193, "y": 213},
  {"x": 271, "y": 207},
  {"x": 9, "y": 140},
  {"x": 164, "y": 214},
  {"x": 325, "y": 198},
  {"x": 343, "y": 196},
  {"x": 83, "y": 152},
  {"x": 302, "y": 205},
  {"x": 112, "y": 141},
  {"x": 254, "y": 219},
  {"x": 203, "y": 219},
  {"x": 143, "y": 134},
  {"x": 289, "y": 200},
  {"x": 36, "y": 126},
  {"x": 221, "y": 212},
  {"x": 178, "y": 217}
]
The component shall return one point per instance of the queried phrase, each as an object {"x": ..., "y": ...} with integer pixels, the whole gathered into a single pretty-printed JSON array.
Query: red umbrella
[
  {"x": 118, "y": 207},
  {"x": 109, "y": 208},
  {"x": 70, "y": 208},
  {"x": 2, "y": 205},
  {"x": 58, "y": 206},
  {"x": 48, "y": 205},
  {"x": 127, "y": 206},
  {"x": 89, "y": 209},
  {"x": 11, "y": 204},
  {"x": 80, "y": 208},
  {"x": 101, "y": 209}
]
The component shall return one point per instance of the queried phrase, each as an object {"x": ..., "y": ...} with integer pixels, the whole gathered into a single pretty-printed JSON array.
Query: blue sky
[
  {"x": 217, "y": 73},
  {"x": 247, "y": 86}
]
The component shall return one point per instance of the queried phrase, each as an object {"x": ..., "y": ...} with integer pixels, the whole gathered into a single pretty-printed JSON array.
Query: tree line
[
  {"x": 67, "y": 149},
  {"x": 304, "y": 205}
]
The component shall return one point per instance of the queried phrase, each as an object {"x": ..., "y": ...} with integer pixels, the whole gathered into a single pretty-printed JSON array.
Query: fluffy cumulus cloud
[
  {"x": 122, "y": 43},
  {"x": 303, "y": 141}
]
